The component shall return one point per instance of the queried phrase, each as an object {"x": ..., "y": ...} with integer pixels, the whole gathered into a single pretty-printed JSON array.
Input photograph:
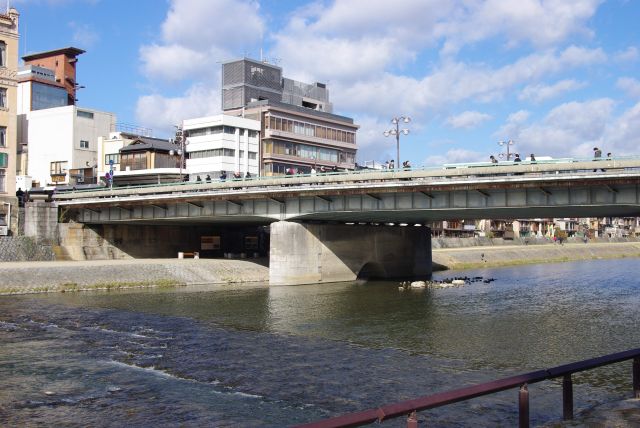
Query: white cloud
[
  {"x": 467, "y": 119},
  {"x": 541, "y": 92},
  {"x": 454, "y": 82},
  {"x": 628, "y": 55},
  {"x": 199, "y": 24},
  {"x": 623, "y": 135},
  {"x": 457, "y": 155},
  {"x": 630, "y": 86},
  {"x": 195, "y": 38},
  {"x": 568, "y": 130},
  {"x": 161, "y": 113},
  {"x": 175, "y": 62},
  {"x": 515, "y": 122},
  {"x": 84, "y": 35},
  {"x": 540, "y": 23}
]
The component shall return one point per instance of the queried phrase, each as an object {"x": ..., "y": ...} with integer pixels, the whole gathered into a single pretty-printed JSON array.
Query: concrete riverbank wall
[
  {"x": 33, "y": 277},
  {"x": 509, "y": 255},
  {"x": 25, "y": 277}
]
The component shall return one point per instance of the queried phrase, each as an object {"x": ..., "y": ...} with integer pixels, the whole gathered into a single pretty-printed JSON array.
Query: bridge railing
[
  {"x": 450, "y": 172},
  {"x": 410, "y": 407}
]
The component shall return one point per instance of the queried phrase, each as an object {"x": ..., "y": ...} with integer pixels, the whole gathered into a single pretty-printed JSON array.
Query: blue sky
[{"x": 556, "y": 77}]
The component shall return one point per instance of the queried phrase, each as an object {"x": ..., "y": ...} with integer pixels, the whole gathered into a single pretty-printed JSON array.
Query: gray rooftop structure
[{"x": 247, "y": 81}]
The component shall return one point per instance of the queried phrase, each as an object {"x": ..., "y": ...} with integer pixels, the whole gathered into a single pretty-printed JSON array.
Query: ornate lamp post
[
  {"x": 396, "y": 131},
  {"x": 181, "y": 141},
  {"x": 507, "y": 144}
]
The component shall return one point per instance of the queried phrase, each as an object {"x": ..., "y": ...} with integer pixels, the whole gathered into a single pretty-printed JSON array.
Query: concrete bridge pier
[{"x": 314, "y": 253}]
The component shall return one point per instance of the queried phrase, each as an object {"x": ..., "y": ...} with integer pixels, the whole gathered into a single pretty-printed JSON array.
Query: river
[{"x": 256, "y": 356}]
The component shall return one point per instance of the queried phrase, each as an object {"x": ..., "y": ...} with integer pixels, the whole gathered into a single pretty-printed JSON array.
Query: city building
[
  {"x": 62, "y": 143},
  {"x": 221, "y": 143},
  {"x": 8, "y": 109},
  {"x": 298, "y": 130},
  {"x": 135, "y": 159},
  {"x": 48, "y": 79}
]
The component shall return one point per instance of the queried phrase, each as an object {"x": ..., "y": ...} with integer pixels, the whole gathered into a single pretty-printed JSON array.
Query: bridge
[{"x": 312, "y": 218}]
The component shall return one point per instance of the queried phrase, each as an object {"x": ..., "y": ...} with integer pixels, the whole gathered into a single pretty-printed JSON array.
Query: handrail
[
  {"x": 422, "y": 176},
  {"x": 409, "y": 407}
]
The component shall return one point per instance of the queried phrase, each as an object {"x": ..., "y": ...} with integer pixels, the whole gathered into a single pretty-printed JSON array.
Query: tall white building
[
  {"x": 221, "y": 143},
  {"x": 63, "y": 143}
]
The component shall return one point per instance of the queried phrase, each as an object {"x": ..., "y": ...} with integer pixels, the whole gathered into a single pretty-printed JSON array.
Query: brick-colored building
[{"x": 63, "y": 64}]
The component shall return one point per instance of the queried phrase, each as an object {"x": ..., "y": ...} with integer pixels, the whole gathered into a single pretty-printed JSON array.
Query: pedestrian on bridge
[
  {"x": 493, "y": 159},
  {"x": 597, "y": 155}
]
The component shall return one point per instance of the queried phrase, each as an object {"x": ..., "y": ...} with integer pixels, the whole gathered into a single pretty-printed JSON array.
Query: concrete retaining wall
[
  {"x": 114, "y": 274},
  {"x": 23, "y": 248},
  {"x": 41, "y": 221},
  {"x": 499, "y": 242},
  {"x": 474, "y": 257}
]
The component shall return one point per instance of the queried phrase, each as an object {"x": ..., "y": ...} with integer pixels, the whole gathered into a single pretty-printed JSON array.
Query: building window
[
  {"x": 253, "y": 134},
  {"x": 3, "y": 54},
  {"x": 47, "y": 96},
  {"x": 59, "y": 168},
  {"x": 229, "y": 130},
  {"x": 2, "y": 180},
  {"x": 3, "y": 136},
  {"x": 84, "y": 144},
  {"x": 202, "y": 154},
  {"x": 85, "y": 114},
  {"x": 212, "y": 130},
  {"x": 115, "y": 158},
  {"x": 4, "y": 160},
  {"x": 3, "y": 98},
  {"x": 253, "y": 155},
  {"x": 134, "y": 161}
]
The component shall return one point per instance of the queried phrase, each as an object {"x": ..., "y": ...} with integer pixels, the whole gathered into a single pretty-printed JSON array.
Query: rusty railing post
[
  {"x": 523, "y": 406},
  {"x": 412, "y": 420},
  {"x": 636, "y": 377},
  {"x": 567, "y": 397}
]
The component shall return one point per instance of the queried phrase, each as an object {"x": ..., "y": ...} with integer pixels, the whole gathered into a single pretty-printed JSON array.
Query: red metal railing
[{"x": 410, "y": 407}]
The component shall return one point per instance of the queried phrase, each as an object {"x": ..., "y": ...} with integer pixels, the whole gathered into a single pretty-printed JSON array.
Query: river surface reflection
[{"x": 277, "y": 356}]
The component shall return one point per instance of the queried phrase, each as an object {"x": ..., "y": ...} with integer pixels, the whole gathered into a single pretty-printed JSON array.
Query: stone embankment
[
  {"x": 31, "y": 277},
  {"x": 510, "y": 255},
  {"x": 34, "y": 277}
]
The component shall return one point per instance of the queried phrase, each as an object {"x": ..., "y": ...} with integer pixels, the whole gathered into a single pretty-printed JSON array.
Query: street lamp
[
  {"x": 181, "y": 141},
  {"x": 507, "y": 144},
  {"x": 397, "y": 131}
]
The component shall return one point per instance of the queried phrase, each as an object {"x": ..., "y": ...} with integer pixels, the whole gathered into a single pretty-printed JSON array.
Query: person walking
[
  {"x": 532, "y": 157},
  {"x": 493, "y": 159},
  {"x": 597, "y": 155},
  {"x": 517, "y": 158}
]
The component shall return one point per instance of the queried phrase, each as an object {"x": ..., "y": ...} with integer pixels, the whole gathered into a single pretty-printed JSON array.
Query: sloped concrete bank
[
  {"x": 35, "y": 277},
  {"x": 495, "y": 256}
]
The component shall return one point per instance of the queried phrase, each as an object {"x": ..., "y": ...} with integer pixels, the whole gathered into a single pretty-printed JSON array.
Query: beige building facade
[{"x": 8, "y": 105}]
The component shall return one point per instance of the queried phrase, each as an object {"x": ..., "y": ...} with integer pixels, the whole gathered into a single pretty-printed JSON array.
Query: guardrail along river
[{"x": 276, "y": 356}]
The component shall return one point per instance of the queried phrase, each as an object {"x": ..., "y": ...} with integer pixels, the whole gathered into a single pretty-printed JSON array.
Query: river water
[{"x": 256, "y": 356}]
